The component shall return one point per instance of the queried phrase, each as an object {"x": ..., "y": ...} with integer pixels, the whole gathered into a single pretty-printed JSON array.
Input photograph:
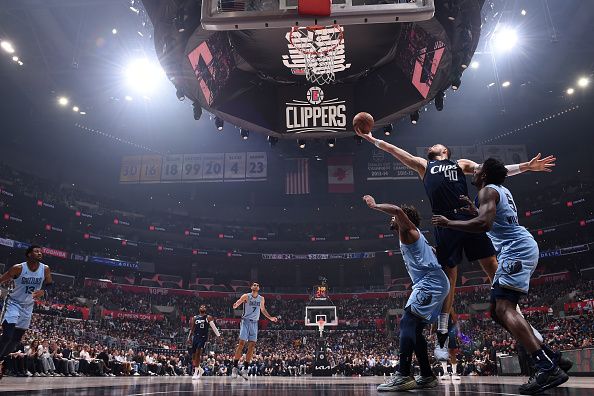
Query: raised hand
[
  {"x": 369, "y": 200},
  {"x": 538, "y": 164}
]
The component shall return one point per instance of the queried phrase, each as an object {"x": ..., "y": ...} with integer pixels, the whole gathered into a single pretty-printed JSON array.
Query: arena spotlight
[
  {"x": 474, "y": 65},
  {"x": 456, "y": 82},
  {"x": 272, "y": 140},
  {"x": 142, "y": 74},
  {"x": 180, "y": 94},
  {"x": 7, "y": 46},
  {"x": 114, "y": 31},
  {"x": 414, "y": 117},
  {"x": 197, "y": 111},
  {"x": 583, "y": 82},
  {"x": 523, "y": 12},
  {"x": 244, "y": 133},
  {"x": 179, "y": 20},
  {"x": 219, "y": 123},
  {"x": 15, "y": 58},
  {"x": 570, "y": 91},
  {"x": 331, "y": 142},
  {"x": 506, "y": 84},
  {"x": 439, "y": 100},
  {"x": 301, "y": 143},
  {"x": 63, "y": 101},
  {"x": 75, "y": 109},
  {"x": 388, "y": 129},
  {"x": 505, "y": 38}
]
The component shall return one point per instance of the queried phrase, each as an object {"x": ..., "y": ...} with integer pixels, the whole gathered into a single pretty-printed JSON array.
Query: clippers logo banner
[
  {"x": 322, "y": 41},
  {"x": 318, "y": 111}
]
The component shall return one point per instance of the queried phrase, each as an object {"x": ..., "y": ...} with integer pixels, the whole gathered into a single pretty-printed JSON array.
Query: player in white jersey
[
  {"x": 253, "y": 304},
  {"x": 29, "y": 277},
  {"x": 517, "y": 254}
]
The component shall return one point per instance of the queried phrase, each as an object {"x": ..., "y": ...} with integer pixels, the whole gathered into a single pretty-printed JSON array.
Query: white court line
[{"x": 327, "y": 389}]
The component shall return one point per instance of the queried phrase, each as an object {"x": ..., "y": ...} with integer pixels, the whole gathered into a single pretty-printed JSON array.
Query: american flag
[{"x": 297, "y": 180}]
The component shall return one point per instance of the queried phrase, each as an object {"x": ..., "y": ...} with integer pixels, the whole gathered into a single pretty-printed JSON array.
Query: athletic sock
[
  {"x": 554, "y": 356},
  {"x": 442, "y": 322},
  {"x": 542, "y": 361},
  {"x": 444, "y": 366},
  {"x": 236, "y": 363},
  {"x": 454, "y": 368}
]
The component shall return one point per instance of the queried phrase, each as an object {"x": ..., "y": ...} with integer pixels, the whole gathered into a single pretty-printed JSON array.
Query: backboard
[
  {"x": 264, "y": 14},
  {"x": 314, "y": 313}
]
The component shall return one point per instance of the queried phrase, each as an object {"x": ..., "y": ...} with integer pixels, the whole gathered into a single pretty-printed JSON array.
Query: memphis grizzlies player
[
  {"x": 29, "y": 277},
  {"x": 429, "y": 290},
  {"x": 445, "y": 183},
  {"x": 517, "y": 254},
  {"x": 253, "y": 304},
  {"x": 198, "y": 336}
]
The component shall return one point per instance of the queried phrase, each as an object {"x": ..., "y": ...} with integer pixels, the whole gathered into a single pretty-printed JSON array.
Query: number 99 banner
[{"x": 193, "y": 168}]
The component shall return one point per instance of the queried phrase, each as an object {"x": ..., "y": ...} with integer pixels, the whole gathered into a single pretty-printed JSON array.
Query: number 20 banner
[{"x": 193, "y": 168}]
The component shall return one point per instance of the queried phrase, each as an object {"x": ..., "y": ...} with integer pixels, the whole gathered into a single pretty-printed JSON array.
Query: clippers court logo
[
  {"x": 324, "y": 41},
  {"x": 315, "y": 114}
]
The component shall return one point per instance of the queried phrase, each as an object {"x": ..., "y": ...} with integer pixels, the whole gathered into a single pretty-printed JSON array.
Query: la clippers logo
[
  {"x": 315, "y": 114},
  {"x": 322, "y": 40}
]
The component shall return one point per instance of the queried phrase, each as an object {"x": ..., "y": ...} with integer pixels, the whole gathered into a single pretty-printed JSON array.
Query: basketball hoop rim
[{"x": 313, "y": 28}]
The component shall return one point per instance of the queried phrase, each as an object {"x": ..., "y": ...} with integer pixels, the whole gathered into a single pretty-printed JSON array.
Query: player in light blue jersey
[
  {"x": 429, "y": 290},
  {"x": 29, "y": 277},
  {"x": 253, "y": 304},
  {"x": 517, "y": 254}
]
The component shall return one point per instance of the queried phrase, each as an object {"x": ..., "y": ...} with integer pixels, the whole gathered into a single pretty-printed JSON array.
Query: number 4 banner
[{"x": 234, "y": 166}]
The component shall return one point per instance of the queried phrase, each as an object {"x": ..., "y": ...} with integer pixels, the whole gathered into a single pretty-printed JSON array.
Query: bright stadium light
[
  {"x": 570, "y": 91},
  {"x": 128, "y": 98},
  {"x": 143, "y": 75},
  {"x": 114, "y": 31},
  {"x": 523, "y": 12},
  {"x": 583, "y": 82},
  {"x": 474, "y": 65},
  {"x": 15, "y": 58},
  {"x": 506, "y": 84},
  {"x": 75, "y": 109},
  {"x": 505, "y": 38},
  {"x": 63, "y": 101},
  {"x": 7, "y": 46}
]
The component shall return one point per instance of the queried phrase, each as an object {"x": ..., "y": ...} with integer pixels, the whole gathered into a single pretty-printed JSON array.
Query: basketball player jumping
[
  {"x": 445, "y": 184},
  {"x": 29, "y": 277},
  {"x": 198, "y": 336},
  {"x": 253, "y": 304},
  {"x": 429, "y": 290},
  {"x": 517, "y": 254},
  {"x": 452, "y": 351}
]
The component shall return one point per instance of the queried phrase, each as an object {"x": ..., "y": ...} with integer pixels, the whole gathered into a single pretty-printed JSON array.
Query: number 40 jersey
[{"x": 444, "y": 183}]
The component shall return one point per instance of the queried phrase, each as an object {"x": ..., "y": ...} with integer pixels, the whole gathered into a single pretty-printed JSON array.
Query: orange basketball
[{"x": 363, "y": 122}]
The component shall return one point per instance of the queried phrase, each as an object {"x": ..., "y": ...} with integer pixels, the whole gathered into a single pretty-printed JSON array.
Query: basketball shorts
[
  {"x": 513, "y": 274},
  {"x": 198, "y": 343},
  {"x": 248, "y": 330},
  {"x": 452, "y": 243},
  {"x": 428, "y": 295},
  {"x": 19, "y": 314}
]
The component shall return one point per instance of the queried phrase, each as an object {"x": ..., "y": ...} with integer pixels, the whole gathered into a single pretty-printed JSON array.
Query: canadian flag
[{"x": 340, "y": 175}]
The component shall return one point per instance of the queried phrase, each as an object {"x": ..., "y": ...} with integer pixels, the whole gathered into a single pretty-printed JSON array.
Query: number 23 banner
[{"x": 194, "y": 168}]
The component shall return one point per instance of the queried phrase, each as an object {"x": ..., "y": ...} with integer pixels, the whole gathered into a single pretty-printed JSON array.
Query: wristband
[
  {"x": 513, "y": 169},
  {"x": 378, "y": 142}
]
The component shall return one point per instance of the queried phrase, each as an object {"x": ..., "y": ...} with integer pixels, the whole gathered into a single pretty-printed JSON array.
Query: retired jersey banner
[
  {"x": 383, "y": 166},
  {"x": 340, "y": 175}
]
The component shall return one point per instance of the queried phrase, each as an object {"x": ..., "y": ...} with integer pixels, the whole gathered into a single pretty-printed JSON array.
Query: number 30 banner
[{"x": 194, "y": 168}]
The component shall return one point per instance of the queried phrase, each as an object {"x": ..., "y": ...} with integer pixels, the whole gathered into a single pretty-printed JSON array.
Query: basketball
[{"x": 363, "y": 122}]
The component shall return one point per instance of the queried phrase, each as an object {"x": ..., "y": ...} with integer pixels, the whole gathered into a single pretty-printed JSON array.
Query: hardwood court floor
[{"x": 268, "y": 386}]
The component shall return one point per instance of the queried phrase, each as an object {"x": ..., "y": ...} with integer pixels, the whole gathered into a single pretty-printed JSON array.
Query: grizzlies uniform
[
  {"x": 517, "y": 251},
  {"x": 200, "y": 332},
  {"x": 430, "y": 284},
  {"x": 444, "y": 183},
  {"x": 19, "y": 304},
  {"x": 248, "y": 330}
]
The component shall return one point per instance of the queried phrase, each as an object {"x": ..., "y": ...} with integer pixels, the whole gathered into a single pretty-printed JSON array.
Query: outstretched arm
[
  {"x": 213, "y": 326},
  {"x": 482, "y": 222},
  {"x": 536, "y": 164},
  {"x": 241, "y": 300},
  {"x": 417, "y": 164},
  {"x": 407, "y": 230},
  {"x": 265, "y": 312}
]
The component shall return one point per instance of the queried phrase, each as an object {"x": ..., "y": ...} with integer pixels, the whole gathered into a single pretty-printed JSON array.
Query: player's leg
[
  {"x": 426, "y": 379},
  {"x": 251, "y": 346},
  {"x": 238, "y": 353},
  {"x": 196, "y": 360},
  {"x": 402, "y": 379}
]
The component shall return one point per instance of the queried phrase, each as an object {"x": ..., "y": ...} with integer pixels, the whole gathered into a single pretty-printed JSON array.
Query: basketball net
[
  {"x": 321, "y": 324},
  {"x": 319, "y": 46}
]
